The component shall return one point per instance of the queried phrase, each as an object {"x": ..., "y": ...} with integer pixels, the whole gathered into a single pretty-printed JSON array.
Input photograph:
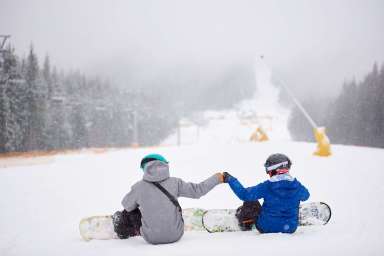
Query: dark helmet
[
  {"x": 277, "y": 161},
  {"x": 152, "y": 157}
]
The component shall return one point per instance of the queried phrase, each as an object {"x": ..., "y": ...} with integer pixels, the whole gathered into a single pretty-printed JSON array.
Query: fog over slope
[{"x": 314, "y": 44}]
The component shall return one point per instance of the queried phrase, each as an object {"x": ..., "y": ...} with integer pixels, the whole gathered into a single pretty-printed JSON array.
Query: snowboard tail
[
  {"x": 97, "y": 227},
  {"x": 314, "y": 213}
]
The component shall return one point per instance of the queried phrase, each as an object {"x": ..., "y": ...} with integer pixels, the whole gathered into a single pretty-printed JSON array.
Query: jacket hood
[
  {"x": 284, "y": 186},
  {"x": 156, "y": 171}
]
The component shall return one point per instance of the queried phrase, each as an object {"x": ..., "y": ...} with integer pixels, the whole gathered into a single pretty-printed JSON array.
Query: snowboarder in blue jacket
[{"x": 281, "y": 193}]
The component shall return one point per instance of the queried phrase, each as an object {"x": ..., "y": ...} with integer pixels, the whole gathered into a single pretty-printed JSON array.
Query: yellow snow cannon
[
  {"x": 259, "y": 135},
  {"x": 323, "y": 143}
]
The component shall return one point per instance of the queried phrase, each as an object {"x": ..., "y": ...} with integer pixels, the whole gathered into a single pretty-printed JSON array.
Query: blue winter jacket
[{"x": 282, "y": 195}]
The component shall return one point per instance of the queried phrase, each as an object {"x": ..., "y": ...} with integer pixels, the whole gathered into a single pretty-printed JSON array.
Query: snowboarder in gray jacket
[{"x": 161, "y": 219}]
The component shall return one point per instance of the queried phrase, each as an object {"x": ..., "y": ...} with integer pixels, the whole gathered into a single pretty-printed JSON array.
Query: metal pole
[
  {"x": 178, "y": 133},
  {"x": 135, "y": 130},
  {"x": 197, "y": 132},
  {"x": 5, "y": 37}
]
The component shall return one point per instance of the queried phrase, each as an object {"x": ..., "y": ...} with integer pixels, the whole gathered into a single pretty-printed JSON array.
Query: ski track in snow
[{"x": 41, "y": 205}]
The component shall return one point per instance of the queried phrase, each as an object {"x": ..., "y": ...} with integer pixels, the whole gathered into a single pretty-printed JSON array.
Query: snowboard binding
[{"x": 247, "y": 214}]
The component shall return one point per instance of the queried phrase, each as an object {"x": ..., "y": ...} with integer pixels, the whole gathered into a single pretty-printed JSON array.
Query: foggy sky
[{"x": 314, "y": 45}]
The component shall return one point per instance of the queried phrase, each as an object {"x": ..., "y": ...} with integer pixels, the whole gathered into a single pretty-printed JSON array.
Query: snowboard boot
[
  {"x": 127, "y": 224},
  {"x": 247, "y": 214}
]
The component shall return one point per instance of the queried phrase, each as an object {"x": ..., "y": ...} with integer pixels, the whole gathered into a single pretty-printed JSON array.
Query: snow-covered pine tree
[
  {"x": 15, "y": 92},
  {"x": 36, "y": 100},
  {"x": 4, "y": 108},
  {"x": 381, "y": 104},
  {"x": 12, "y": 109},
  {"x": 47, "y": 76},
  {"x": 341, "y": 122},
  {"x": 57, "y": 128}
]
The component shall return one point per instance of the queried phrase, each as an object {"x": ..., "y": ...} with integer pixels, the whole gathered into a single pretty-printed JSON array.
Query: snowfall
[{"x": 44, "y": 198}]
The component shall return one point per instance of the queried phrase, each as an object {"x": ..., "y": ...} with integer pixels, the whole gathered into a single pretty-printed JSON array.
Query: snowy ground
[
  {"x": 43, "y": 199},
  {"x": 41, "y": 204}
]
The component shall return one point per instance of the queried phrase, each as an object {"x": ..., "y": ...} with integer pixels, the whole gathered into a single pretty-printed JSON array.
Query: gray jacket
[{"x": 161, "y": 220}]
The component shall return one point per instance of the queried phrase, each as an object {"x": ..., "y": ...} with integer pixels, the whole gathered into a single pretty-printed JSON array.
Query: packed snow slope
[
  {"x": 237, "y": 124},
  {"x": 41, "y": 204}
]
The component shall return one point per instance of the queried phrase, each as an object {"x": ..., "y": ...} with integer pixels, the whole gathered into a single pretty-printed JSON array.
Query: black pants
[{"x": 127, "y": 224}]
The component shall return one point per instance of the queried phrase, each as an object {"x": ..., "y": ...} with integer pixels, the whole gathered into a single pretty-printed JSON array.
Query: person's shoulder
[
  {"x": 137, "y": 184},
  {"x": 174, "y": 180},
  {"x": 263, "y": 183},
  {"x": 298, "y": 182}
]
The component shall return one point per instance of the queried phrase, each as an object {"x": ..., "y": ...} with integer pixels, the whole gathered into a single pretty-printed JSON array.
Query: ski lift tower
[
  {"x": 14, "y": 76},
  {"x": 3, "y": 40}
]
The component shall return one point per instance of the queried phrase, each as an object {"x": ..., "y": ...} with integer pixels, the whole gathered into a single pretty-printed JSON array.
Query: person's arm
[
  {"x": 245, "y": 194},
  {"x": 304, "y": 193},
  {"x": 129, "y": 201},
  {"x": 197, "y": 190}
]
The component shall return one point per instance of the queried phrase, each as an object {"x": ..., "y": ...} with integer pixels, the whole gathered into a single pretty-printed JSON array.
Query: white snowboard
[
  {"x": 196, "y": 219},
  {"x": 224, "y": 220},
  {"x": 101, "y": 227}
]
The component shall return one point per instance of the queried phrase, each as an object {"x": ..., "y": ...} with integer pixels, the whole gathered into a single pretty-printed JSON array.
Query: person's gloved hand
[
  {"x": 226, "y": 176},
  {"x": 220, "y": 176}
]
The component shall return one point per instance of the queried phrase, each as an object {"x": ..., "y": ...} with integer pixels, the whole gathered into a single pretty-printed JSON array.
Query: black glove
[{"x": 226, "y": 176}]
